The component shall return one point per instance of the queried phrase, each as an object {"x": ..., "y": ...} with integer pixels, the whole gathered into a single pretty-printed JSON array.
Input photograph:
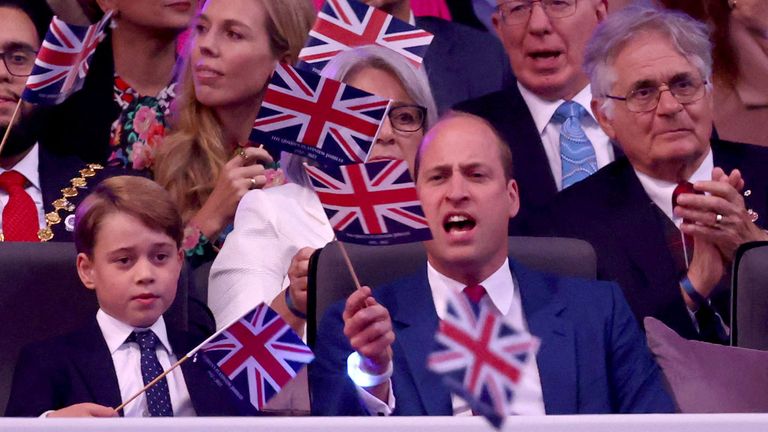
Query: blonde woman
[{"x": 207, "y": 163}]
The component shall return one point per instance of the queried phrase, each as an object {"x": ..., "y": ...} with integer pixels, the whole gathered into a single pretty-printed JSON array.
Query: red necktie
[
  {"x": 474, "y": 293},
  {"x": 20, "y": 221},
  {"x": 685, "y": 187}
]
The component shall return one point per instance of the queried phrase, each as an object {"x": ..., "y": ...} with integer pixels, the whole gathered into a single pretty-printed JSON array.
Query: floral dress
[{"x": 141, "y": 126}]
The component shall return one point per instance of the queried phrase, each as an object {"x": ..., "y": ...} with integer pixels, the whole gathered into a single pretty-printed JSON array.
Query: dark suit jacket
[
  {"x": 612, "y": 211},
  {"x": 77, "y": 368},
  {"x": 462, "y": 62},
  {"x": 592, "y": 359},
  {"x": 507, "y": 111}
]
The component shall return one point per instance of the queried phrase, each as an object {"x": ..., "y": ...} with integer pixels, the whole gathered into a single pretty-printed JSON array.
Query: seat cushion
[{"x": 709, "y": 378}]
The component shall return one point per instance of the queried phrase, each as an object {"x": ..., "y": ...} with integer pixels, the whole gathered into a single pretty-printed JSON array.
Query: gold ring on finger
[{"x": 241, "y": 152}]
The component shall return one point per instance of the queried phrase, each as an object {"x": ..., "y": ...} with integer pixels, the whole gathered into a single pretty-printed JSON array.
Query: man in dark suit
[
  {"x": 372, "y": 350},
  {"x": 665, "y": 221},
  {"x": 461, "y": 62},
  {"x": 545, "y": 45}
]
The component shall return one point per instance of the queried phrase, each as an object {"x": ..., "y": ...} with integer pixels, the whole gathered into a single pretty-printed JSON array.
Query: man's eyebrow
[
  {"x": 14, "y": 45},
  {"x": 644, "y": 83}
]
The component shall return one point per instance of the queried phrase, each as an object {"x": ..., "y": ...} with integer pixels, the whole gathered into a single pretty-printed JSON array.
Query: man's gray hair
[
  {"x": 346, "y": 64},
  {"x": 688, "y": 36}
]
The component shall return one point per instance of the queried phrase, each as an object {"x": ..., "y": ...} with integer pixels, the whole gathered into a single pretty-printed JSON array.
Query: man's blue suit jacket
[
  {"x": 77, "y": 368},
  {"x": 593, "y": 357}
]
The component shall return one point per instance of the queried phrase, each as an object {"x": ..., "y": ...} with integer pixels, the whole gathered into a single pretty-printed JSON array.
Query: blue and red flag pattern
[
  {"x": 256, "y": 356},
  {"x": 481, "y": 357},
  {"x": 318, "y": 118},
  {"x": 373, "y": 203},
  {"x": 63, "y": 60},
  {"x": 345, "y": 24}
]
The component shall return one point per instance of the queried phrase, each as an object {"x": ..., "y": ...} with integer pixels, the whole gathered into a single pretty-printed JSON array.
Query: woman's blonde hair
[{"x": 192, "y": 156}]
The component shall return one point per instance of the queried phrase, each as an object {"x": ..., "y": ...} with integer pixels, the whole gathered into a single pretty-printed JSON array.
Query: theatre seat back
[
  {"x": 40, "y": 296},
  {"x": 749, "y": 300},
  {"x": 330, "y": 280}
]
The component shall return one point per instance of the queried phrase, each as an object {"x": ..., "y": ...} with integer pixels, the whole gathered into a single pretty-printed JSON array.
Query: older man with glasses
[
  {"x": 665, "y": 220},
  {"x": 545, "y": 117}
]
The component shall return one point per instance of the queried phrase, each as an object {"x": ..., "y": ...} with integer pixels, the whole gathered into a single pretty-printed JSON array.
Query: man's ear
[
  {"x": 602, "y": 118},
  {"x": 514, "y": 198},
  {"x": 85, "y": 270}
]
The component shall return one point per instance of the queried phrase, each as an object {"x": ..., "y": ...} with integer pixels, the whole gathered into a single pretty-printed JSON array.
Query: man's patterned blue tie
[
  {"x": 158, "y": 396},
  {"x": 576, "y": 151}
]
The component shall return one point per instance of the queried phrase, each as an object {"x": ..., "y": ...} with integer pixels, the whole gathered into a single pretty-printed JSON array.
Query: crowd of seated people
[{"x": 572, "y": 121}]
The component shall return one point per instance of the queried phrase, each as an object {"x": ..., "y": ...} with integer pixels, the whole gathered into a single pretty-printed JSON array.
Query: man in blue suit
[{"x": 372, "y": 350}]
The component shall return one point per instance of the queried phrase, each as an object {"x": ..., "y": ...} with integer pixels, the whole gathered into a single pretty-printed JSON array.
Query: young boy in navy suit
[{"x": 128, "y": 236}]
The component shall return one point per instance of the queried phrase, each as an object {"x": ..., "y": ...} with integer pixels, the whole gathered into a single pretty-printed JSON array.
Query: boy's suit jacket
[{"x": 77, "y": 368}]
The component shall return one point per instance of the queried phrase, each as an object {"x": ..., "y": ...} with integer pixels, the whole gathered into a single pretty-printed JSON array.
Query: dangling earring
[{"x": 113, "y": 20}]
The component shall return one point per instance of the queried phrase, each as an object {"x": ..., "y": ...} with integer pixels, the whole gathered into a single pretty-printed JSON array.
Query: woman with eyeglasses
[{"x": 265, "y": 258}]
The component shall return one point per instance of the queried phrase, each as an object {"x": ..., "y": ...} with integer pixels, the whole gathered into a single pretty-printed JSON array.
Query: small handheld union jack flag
[
  {"x": 63, "y": 60},
  {"x": 256, "y": 356},
  {"x": 318, "y": 118},
  {"x": 481, "y": 357},
  {"x": 373, "y": 203},
  {"x": 345, "y": 24}
]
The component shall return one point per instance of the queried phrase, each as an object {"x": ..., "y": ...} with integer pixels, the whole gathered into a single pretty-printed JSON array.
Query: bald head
[{"x": 470, "y": 129}]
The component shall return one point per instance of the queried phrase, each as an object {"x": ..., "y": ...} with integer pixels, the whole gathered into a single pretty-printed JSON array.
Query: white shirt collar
[
  {"x": 28, "y": 166},
  {"x": 542, "y": 110},
  {"x": 660, "y": 191},
  {"x": 412, "y": 19},
  {"x": 116, "y": 332},
  {"x": 500, "y": 286}
]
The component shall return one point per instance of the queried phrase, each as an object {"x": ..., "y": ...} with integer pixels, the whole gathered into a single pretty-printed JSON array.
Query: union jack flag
[
  {"x": 256, "y": 356},
  {"x": 317, "y": 117},
  {"x": 345, "y": 24},
  {"x": 373, "y": 203},
  {"x": 62, "y": 62},
  {"x": 481, "y": 357}
]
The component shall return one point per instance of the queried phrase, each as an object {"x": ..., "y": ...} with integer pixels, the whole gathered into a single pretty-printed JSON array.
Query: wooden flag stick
[
  {"x": 10, "y": 125},
  {"x": 153, "y": 382},
  {"x": 349, "y": 265}
]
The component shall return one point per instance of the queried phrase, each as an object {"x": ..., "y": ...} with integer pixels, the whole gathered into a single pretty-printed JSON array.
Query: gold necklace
[{"x": 63, "y": 203}]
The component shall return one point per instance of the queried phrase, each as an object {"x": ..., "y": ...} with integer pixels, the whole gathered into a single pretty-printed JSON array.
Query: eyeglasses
[
  {"x": 686, "y": 90},
  {"x": 518, "y": 11},
  {"x": 19, "y": 61},
  {"x": 407, "y": 118}
]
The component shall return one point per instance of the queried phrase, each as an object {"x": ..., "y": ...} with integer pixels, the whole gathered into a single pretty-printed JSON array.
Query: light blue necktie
[{"x": 576, "y": 151}]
